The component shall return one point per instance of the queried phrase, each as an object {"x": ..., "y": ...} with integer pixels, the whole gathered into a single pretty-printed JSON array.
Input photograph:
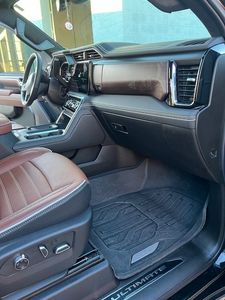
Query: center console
[
  {"x": 76, "y": 128},
  {"x": 58, "y": 128}
]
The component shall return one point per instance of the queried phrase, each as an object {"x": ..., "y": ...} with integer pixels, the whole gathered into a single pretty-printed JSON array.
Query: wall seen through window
[
  {"x": 92, "y": 21},
  {"x": 13, "y": 53}
]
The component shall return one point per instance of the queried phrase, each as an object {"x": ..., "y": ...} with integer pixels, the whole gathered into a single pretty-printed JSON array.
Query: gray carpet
[
  {"x": 118, "y": 183},
  {"x": 136, "y": 230}
]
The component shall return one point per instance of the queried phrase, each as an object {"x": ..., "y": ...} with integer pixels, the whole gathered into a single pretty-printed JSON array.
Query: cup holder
[
  {"x": 43, "y": 134},
  {"x": 43, "y": 127}
]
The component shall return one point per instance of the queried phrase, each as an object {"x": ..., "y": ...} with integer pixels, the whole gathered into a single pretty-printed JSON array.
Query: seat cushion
[{"x": 35, "y": 183}]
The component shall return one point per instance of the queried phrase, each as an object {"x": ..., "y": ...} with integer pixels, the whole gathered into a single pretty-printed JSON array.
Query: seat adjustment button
[
  {"x": 21, "y": 262},
  {"x": 44, "y": 250},
  {"x": 62, "y": 248}
]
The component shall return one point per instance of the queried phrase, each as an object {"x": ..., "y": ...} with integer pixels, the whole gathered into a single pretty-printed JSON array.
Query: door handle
[{"x": 119, "y": 127}]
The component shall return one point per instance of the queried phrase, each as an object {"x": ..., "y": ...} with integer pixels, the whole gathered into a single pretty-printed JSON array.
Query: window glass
[
  {"x": 80, "y": 22},
  {"x": 13, "y": 53}
]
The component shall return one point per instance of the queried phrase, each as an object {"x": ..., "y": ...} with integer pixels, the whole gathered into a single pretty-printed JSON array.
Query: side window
[{"x": 13, "y": 52}]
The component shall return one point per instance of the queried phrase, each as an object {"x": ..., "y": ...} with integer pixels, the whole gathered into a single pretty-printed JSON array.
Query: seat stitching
[
  {"x": 28, "y": 151},
  {"x": 18, "y": 186},
  {"x": 35, "y": 166},
  {"x": 38, "y": 213},
  {"x": 41, "y": 199},
  {"x": 30, "y": 179},
  {"x": 9, "y": 204}
]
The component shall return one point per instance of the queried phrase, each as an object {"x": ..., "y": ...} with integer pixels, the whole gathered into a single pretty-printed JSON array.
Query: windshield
[{"x": 75, "y": 23}]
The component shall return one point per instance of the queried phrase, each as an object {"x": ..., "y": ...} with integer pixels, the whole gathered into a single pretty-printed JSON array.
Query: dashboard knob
[{"x": 21, "y": 262}]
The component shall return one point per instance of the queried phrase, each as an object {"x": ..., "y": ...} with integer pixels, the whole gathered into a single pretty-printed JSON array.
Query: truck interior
[{"x": 111, "y": 161}]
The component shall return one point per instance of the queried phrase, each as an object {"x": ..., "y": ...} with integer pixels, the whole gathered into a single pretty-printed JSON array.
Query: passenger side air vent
[
  {"x": 183, "y": 84},
  {"x": 186, "y": 83},
  {"x": 92, "y": 54}
]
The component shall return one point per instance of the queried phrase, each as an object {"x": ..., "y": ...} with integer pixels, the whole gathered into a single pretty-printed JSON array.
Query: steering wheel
[{"x": 31, "y": 81}]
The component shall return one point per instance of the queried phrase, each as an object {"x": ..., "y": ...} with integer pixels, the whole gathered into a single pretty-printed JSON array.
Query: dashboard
[
  {"x": 159, "y": 100},
  {"x": 175, "y": 73},
  {"x": 76, "y": 76},
  {"x": 70, "y": 75}
]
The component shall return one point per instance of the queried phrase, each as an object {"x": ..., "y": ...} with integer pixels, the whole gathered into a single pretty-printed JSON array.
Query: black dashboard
[
  {"x": 75, "y": 75},
  {"x": 161, "y": 100}
]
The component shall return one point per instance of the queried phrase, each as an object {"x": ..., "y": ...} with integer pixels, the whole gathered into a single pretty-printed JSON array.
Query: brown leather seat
[
  {"x": 39, "y": 188},
  {"x": 7, "y": 126}
]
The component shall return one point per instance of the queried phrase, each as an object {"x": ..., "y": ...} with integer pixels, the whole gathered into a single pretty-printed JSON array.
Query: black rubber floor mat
[{"x": 137, "y": 230}]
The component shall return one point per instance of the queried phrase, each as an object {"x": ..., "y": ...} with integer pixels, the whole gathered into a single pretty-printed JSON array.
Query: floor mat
[{"x": 136, "y": 230}]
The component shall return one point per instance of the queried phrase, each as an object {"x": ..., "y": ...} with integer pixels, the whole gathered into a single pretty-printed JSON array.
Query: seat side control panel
[{"x": 36, "y": 254}]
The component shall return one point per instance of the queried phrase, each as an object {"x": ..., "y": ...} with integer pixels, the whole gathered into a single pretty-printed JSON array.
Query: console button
[
  {"x": 44, "y": 250},
  {"x": 21, "y": 262},
  {"x": 62, "y": 248}
]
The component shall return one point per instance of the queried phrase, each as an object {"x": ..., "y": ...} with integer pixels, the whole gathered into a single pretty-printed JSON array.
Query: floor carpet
[{"x": 136, "y": 230}]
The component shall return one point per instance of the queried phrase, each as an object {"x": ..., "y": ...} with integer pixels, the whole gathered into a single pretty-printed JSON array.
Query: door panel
[
  {"x": 13, "y": 57},
  {"x": 10, "y": 86},
  {"x": 10, "y": 101}
]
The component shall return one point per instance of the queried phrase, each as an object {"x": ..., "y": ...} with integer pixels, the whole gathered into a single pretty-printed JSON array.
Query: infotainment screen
[{"x": 79, "y": 81}]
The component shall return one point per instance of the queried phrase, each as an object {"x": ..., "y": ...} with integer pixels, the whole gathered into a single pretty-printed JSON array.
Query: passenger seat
[{"x": 44, "y": 216}]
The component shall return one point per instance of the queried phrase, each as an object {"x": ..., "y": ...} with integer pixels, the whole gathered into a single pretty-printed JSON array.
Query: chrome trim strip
[
  {"x": 198, "y": 79},
  {"x": 173, "y": 84}
]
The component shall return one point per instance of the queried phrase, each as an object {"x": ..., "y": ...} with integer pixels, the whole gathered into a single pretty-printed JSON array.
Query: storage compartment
[{"x": 173, "y": 144}]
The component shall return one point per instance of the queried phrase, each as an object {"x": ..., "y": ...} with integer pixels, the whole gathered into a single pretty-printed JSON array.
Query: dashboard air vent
[
  {"x": 89, "y": 54},
  {"x": 92, "y": 54},
  {"x": 79, "y": 56},
  {"x": 186, "y": 81}
]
